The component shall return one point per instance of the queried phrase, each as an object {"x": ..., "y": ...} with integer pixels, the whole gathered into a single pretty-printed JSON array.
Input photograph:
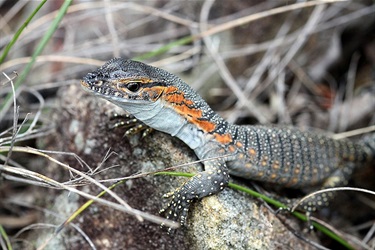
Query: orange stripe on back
[{"x": 182, "y": 106}]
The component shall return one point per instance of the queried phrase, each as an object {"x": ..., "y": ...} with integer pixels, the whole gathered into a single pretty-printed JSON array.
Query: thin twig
[
  {"x": 330, "y": 190},
  {"x": 223, "y": 70}
]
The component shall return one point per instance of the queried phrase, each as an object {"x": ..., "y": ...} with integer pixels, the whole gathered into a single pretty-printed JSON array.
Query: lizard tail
[{"x": 368, "y": 143}]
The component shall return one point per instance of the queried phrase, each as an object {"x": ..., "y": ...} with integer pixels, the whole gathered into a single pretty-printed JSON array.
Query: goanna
[{"x": 286, "y": 156}]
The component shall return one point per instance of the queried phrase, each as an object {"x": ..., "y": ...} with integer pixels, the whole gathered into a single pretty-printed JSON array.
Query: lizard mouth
[
  {"x": 97, "y": 83},
  {"x": 93, "y": 79},
  {"x": 113, "y": 92},
  {"x": 85, "y": 85},
  {"x": 123, "y": 83}
]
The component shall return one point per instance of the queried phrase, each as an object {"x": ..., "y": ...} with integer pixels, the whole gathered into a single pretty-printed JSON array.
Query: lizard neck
[
  {"x": 196, "y": 124},
  {"x": 182, "y": 113},
  {"x": 188, "y": 117}
]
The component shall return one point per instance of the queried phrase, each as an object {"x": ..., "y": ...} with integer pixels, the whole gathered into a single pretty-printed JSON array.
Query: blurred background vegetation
[{"x": 285, "y": 62}]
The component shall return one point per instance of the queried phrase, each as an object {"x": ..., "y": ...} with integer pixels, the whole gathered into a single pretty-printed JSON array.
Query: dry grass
[{"x": 254, "y": 62}]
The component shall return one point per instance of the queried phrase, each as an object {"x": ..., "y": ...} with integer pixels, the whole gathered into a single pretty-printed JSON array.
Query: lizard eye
[{"x": 133, "y": 86}]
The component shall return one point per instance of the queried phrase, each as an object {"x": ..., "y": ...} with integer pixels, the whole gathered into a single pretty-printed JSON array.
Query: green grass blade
[
  {"x": 84, "y": 207},
  {"x": 19, "y": 31},
  {"x": 37, "y": 52},
  {"x": 164, "y": 48},
  {"x": 5, "y": 237}
]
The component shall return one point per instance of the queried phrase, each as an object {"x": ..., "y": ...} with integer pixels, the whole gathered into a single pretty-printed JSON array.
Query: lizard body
[{"x": 286, "y": 156}]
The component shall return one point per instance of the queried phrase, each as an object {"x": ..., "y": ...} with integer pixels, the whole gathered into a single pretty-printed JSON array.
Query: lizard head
[
  {"x": 146, "y": 92},
  {"x": 125, "y": 81}
]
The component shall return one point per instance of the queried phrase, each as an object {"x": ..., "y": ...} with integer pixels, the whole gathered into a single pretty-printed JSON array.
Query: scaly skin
[{"x": 285, "y": 156}]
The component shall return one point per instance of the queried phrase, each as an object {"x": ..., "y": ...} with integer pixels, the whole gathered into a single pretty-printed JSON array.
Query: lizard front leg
[{"x": 211, "y": 181}]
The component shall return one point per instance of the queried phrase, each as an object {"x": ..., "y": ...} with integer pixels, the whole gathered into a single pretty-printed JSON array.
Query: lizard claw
[
  {"x": 169, "y": 195},
  {"x": 177, "y": 209},
  {"x": 132, "y": 124}
]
